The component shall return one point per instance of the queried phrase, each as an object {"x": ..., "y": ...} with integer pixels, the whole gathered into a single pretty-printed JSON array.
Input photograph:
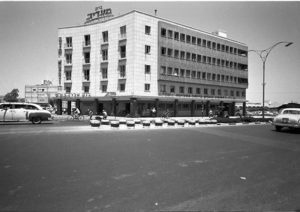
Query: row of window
[
  {"x": 169, "y": 71},
  {"x": 167, "y": 33},
  {"x": 182, "y": 55},
  {"x": 205, "y": 91}
]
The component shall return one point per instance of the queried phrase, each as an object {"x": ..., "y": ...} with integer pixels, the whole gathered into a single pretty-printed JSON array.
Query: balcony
[
  {"x": 86, "y": 44},
  {"x": 122, "y": 36},
  {"x": 68, "y": 46},
  {"x": 68, "y": 63},
  {"x": 86, "y": 61}
]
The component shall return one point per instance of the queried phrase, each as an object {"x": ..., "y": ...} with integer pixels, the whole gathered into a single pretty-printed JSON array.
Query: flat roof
[{"x": 172, "y": 22}]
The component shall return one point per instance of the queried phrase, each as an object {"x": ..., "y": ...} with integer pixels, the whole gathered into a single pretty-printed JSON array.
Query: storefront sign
[
  {"x": 99, "y": 15},
  {"x": 72, "y": 95}
]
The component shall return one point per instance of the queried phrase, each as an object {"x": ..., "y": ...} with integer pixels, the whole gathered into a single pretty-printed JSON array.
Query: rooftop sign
[{"x": 99, "y": 15}]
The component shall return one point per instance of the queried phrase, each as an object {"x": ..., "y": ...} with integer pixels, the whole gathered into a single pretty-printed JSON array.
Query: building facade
[
  {"x": 132, "y": 63},
  {"x": 42, "y": 93}
]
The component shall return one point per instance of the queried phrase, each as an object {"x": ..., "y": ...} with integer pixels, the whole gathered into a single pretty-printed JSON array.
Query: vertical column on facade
[
  {"x": 133, "y": 107},
  {"x": 156, "y": 107},
  {"x": 69, "y": 107},
  {"x": 175, "y": 107},
  {"x": 207, "y": 108},
  {"x": 193, "y": 108},
  {"x": 114, "y": 106},
  {"x": 232, "y": 109},
  {"x": 59, "y": 106},
  {"x": 244, "y": 108}
]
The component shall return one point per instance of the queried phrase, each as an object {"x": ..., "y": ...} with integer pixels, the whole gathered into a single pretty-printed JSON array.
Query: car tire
[
  {"x": 278, "y": 128},
  {"x": 36, "y": 120}
]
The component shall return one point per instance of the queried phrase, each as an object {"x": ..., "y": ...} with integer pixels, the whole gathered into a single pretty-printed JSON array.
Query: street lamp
[{"x": 263, "y": 54}]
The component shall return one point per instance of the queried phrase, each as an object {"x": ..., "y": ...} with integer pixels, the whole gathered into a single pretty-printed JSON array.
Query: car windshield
[
  {"x": 34, "y": 107},
  {"x": 295, "y": 112}
]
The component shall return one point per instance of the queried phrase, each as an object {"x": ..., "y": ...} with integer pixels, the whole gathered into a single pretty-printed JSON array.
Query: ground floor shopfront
[{"x": 139, "y": 106}]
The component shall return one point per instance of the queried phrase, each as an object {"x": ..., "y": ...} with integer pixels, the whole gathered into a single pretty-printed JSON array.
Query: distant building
[
  {"x": 134, "y": 62},
  {"x": 41, "y": 93}
]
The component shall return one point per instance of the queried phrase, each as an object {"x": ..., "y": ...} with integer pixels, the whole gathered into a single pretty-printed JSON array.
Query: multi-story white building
[
  {"x": 134, "y": 62},
  {"x": 41, "y": 93}
]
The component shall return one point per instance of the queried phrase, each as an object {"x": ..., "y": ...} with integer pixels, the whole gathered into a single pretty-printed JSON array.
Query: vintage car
[
  {"x": 289, "y": 117},
  {"x": 18, "y": 111}
]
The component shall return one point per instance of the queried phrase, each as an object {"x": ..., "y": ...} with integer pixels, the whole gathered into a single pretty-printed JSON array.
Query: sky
[{"x": 29, "y": 38}]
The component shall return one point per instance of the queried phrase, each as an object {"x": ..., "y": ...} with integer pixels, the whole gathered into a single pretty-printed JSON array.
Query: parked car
[
  {"x": 289, "y": 117},
  {"x": 17, "y": 111}
]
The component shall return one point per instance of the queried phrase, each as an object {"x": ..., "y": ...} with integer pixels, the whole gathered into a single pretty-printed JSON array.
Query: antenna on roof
[{"x": 155, "y": 11}]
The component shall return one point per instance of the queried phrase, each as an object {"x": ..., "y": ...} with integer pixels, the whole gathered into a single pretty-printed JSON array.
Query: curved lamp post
[{"x": 263, "y": 54}]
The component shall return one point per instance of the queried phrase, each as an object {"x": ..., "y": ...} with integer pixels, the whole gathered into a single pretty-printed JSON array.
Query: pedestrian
[
  {"x": 91, "y": 113},
  {"x": 104, "y": 114},
  {"x": 153, "y": 112}
]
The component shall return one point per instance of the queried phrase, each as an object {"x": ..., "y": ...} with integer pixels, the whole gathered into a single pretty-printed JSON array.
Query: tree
[{"x": 12, "y": 96}]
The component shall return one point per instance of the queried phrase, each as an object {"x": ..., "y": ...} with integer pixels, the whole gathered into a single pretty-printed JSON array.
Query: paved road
[{"x": 71, "y": 167}]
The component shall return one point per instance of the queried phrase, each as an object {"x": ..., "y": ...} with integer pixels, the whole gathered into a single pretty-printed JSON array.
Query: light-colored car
[
  {"x": 18, "y": 111},
  {"x": 289, "y": 117}
]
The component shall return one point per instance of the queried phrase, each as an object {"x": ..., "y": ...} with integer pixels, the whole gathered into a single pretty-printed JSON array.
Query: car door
[
  {"x": 5, "y": 112},
  {"x": 19, "y": 112}
]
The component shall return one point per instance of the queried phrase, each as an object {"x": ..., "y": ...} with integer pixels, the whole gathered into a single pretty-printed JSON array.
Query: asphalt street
[{"x": 69, "y": 166}]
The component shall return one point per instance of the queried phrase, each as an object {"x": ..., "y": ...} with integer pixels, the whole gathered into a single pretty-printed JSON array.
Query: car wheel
[
  {"x": 278, "y": 128},
  {"x": 36, "y": 120}
]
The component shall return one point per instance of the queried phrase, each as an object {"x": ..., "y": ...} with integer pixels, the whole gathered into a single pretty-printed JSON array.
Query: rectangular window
[
  {"x": 198, "y": 91},
  {"x": 182, "y": 37},
  {"x": 188, "y": 56},
  {"x": 176, "y": 53},
  {"x": 147, "y": 49},
  {"x": 176, "y": 36},
  {"x": 194, "y": 40},
  {"x": 188, "y": 39},
  {"x": 87, "y": 57},
  {"x": 188, "y": 73},
  {"x": 190, "y": 90},
  {"x": 172, "y": 89},
  {"x": 163, "y": 51},
  {"x": 205, "y": 91},
  {"x": 182, "y": 55},
  {"x": 198, "y": 75},
  {"x": 147, "y": 69},
  {"x": 69, "y": 58},
  {"x": 181, "y": 89},
  {"x": 212, "y": 91},
  {"x": 69, "y": 41},
  {"x": 147, "y": 30},
  {"x": 86, "y": 75},
  {"x": 163, "y": 32},
  {"x": 194, "y": 57},
  {"x": 68, "y": 75},
  {"x": 147, "y": 87},
  {"x": 170, "y": 52},
  {"x": 170, "y": 34},
  {"x": 122, "y": 87},
  {"x": 198, "y": 58},
  {"x": 163, "y": 70},
  {"x": 182, "y": 73},
  {"x": 105, "y": 36},
  {"x": 68, "y": 89},
  {"x": 87, "y": 40},
  {"x": 104, "y": 73},
  {"x": 231, "y": 93},
  {"x": 123, "y": 51},
  {"x": 219, "y": 92},
  {"x": 162, "y": 88},
  {"x": 199, "y": 41},
  {"x": 176, "y": 72},
  {"x": 104, "y": 54},
  {"x": 170, "y": 71},
  {"x": 104, "y": 87},
  {"x": 122, "y": 71},
  {"x": 193, "y": 74},
  {"x": 204, "y": 75},
  {"x": 123, "y": 30}
]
